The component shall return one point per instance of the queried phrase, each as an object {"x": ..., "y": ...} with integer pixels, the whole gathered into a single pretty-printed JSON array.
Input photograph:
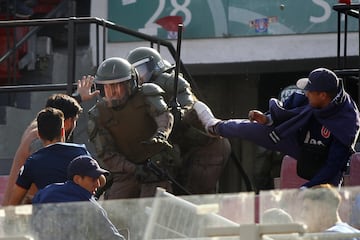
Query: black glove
[
  {"x": 170, "y": 157},
  {"x": 145, "y": 175},
  {"x": 101, "y": 190},
  {"x": 158, "y": 138}
]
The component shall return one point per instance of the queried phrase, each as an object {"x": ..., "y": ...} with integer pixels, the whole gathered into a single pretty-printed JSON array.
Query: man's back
[{"x": 49, "y": 164}]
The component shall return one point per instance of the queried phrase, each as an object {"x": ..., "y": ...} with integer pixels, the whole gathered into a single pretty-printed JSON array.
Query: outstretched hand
[
  {"x": 84, "y": 88},
  {"x": 257, "y": 116}
]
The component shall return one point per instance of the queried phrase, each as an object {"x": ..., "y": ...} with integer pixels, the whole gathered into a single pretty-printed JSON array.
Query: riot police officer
[
  {"x": 129, "y": 128},
  {"x": 203, "y": 156}
]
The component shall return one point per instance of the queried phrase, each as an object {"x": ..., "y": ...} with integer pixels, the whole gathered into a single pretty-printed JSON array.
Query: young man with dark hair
[
  {"x": 49, "y": 164},
  {"x": 70, "y": 107},
  {"x": 50, "y": 123},
  {"x": 30, "y": 141},
  {"x": 319, "y": 129}
]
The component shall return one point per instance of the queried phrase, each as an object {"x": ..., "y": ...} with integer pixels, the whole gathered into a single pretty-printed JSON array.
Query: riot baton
[
  {"x": 174, "y": 104},
  {"x": 164, "y": 174}
]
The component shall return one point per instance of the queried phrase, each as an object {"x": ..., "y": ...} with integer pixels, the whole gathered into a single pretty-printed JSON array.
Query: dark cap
[
  {"x": 319, "y": 80},
  {"x": 85, "y": 165}
]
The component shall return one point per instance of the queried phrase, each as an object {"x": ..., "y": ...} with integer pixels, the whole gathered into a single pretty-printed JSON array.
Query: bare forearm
[{"x": 17, "y": 195}]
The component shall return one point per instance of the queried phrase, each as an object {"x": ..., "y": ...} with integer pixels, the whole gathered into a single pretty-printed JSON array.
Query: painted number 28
[{"x": 176, "y": 9}]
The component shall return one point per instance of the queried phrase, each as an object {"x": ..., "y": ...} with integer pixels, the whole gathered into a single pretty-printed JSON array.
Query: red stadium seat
[
  {"x": 289, "y": 178},
  {"x": 354, "y": 178},
  {"x": 288, "y": 175}
]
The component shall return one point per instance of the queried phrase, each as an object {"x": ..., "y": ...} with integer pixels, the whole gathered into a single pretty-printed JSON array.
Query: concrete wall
[
  {"x": 237, "y": 50},
  {"x": 18, "y": 119}
]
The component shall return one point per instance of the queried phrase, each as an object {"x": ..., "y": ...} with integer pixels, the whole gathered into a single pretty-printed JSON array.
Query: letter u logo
[{"x": 325, "y": 132}]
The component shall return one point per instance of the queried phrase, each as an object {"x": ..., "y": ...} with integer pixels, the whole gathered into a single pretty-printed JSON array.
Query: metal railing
[
  {"x": 72, "y": 22},
  {"x": 346, "y": 10}
]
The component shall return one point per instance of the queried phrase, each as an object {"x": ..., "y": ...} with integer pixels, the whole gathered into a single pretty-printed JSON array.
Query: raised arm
[{"x": 84, "y": 92}]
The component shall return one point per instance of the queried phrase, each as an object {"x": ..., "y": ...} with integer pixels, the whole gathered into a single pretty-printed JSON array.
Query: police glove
[
  {"x": 171, "y": 157},
  {"x": 144, "y": 175},
  {"x": 141, "y": 172},
  {"x": 158, "y": 138}
]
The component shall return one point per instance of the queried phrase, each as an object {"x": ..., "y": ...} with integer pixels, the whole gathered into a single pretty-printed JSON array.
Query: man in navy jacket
[
  {"x": 319, "y": 129},
  {"x": 84, "y": 175}
]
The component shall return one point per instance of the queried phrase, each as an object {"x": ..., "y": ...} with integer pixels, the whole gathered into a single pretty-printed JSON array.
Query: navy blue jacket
[
  {"x": 297, "y": 125},
  {"x": 336, "y": 127},
  {"x": 341, "y": 117},
  {"x": 62, "y": 192},
  {"x": 95, "y": 223}
]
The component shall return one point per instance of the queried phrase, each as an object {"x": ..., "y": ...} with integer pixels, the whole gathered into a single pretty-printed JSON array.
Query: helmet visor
[{"x": 145, "y": 69}]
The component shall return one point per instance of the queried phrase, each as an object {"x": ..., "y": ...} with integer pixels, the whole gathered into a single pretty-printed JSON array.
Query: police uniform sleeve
[
  {"x": 99, "y": 136},
  {"x": 154, "y": 98},
  {"x": 185, "y": 96},
  {"x": 159, "y": 110},
  {"x": 105, "y": 148}
]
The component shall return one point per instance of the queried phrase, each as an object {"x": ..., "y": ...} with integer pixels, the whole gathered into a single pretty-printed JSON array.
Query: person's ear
[
  {"x": 325, "y": 95},
  {"x": 63, "y": 132},
  {"x": 67, "y": 123},
  {"x": 37, "y": 133},
  {"x": 102, "y": 180},
  {"x": 76, "y": 179}
]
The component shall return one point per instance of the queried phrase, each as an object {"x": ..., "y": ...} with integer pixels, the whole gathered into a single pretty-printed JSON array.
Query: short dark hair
[
  {"x": 49, "y": 123},
  {"x": 67, "y": 104}
]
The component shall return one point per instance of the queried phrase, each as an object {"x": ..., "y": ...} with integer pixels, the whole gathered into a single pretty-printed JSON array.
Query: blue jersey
[
  {"x": 335, "y": 153},
  {"x": 49, "y": 165}
]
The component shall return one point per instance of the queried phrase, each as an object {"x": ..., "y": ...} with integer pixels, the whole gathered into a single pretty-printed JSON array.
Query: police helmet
[
  {"x": 147, "y": 61},
  {"x": 117, "y": 71}
]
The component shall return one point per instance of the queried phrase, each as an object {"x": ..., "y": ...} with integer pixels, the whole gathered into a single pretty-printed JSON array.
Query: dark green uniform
[
  {"x": 120, "y": 136},
  {"x": 204, "y": 157}
]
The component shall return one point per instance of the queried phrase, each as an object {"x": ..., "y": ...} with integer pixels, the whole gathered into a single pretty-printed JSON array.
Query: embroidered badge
[{"x": 325, "y": 132}]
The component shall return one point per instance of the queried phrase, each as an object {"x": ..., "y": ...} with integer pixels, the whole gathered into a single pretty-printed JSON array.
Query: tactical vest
[{"x": 130, "y": 126}]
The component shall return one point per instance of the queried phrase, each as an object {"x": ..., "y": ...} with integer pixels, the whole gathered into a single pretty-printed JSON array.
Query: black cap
[{"x": 319, "y": 80}]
